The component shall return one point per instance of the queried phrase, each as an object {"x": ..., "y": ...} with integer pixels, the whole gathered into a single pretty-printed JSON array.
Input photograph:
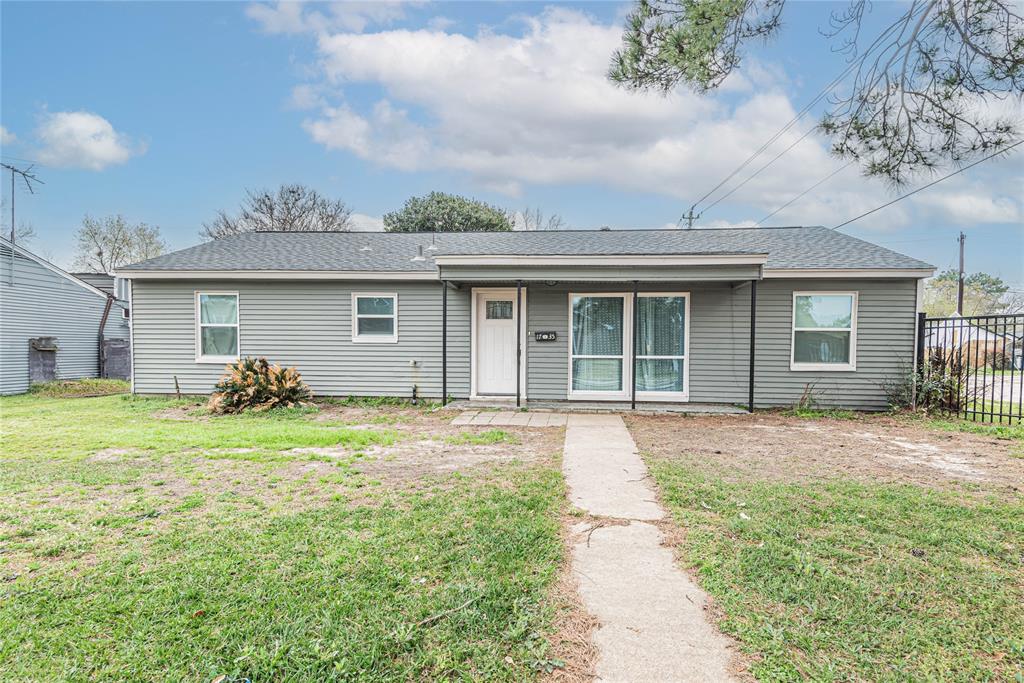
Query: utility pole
[
  {"x": 960, "y": 278},
  {"x": 689, "y": 217}
]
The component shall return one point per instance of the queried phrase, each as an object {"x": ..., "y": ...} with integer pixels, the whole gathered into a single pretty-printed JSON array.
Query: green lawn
[
  {"x": 141, "y": 542},
  {"x": 844, "y": 580}
]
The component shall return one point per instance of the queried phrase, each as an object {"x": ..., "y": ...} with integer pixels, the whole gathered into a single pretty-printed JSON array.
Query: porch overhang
[{"x": 604, "y": 268}]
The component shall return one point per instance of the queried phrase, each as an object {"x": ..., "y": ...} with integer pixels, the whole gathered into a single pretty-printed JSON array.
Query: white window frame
[
  {"x": 852, "y": 329},
  {"x": 683, "y": 395},
  {"x": 627, "y": 341},
  {"x": 373, "y": 338},
  {"x": 200, "y": 358}
]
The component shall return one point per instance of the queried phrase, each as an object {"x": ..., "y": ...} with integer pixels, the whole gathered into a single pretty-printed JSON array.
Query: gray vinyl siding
[
  {"x": 886, "y": 317},
  {"x": 719, "y": 338},
  {"x": 307, "y": 325},
  {"x": 42, "y": 303},
  {"x": 720, "y": 341}
]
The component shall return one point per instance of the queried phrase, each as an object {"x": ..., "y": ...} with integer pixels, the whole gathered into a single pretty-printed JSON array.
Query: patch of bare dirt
[
  {"x": 572, "y": 641},
  {"x": 871, "y": 447}
]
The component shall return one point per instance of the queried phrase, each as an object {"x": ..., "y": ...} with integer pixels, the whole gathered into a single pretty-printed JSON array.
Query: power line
[
  {"x": 755, "y": 173},
  {"x": 794, "y": 199},
  {"x": 690, "y": 216},
  {"x": 934, "y": 182}
]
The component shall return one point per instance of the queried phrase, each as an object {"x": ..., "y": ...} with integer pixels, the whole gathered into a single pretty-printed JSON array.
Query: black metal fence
[{"x": 972, "y": 366}]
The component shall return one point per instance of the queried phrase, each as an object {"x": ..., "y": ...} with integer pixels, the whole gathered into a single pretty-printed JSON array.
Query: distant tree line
[{"x": 104, "y": 244}]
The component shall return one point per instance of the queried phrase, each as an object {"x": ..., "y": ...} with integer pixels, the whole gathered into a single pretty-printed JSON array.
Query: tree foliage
[
  {"x": 984, "y": 294},
  {"x": 441, "y": 212},
  {"x": 923, "y": 93},
  {"x": 105, "y": 244},
  {"x": 294, "y": 208}
]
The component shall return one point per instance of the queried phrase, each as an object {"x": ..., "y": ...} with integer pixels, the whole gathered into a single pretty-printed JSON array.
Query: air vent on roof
[{"x": 419, "y": 254}]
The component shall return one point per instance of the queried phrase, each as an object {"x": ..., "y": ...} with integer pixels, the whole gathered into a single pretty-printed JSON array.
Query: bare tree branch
[{"x": 294, "y": 208}]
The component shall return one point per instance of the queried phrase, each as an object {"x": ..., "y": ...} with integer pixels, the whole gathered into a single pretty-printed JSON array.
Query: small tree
[
  {"x": 984, "y": 294},
  {"x": 294, "y": 208},
  {"x": 441, "y": 212},
  {"x": 107, "y": 243}
]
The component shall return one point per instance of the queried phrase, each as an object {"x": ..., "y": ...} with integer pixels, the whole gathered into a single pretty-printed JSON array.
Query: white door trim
[{"x": 474, "y": 329}]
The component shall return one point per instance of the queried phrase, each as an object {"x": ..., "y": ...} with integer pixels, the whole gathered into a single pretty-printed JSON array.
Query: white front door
[{"x": 496, "y": 344}]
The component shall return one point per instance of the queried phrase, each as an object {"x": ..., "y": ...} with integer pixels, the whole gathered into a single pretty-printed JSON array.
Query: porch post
[
  {"x": 632, "y": 373},
  {"x": 753, "y": 331},
  {"x": 444, "y": 343},
  {"x": 519, "y": 341}
]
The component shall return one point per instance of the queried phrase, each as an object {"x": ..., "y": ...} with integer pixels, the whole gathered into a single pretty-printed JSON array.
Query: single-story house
[
  {"x": 758, "y": 316},
  {"x": 51, "y": 322}
]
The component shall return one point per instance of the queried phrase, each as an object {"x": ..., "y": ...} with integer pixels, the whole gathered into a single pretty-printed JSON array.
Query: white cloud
[
  {"x": 81, "y": 139},
  {"x": 973, "y": 204},
  {"x": 291, "y": 17},
  {"x": 364, "y": 223},
  {"x": 7, "y": 137},
  {"x": 535, "y": 107}
]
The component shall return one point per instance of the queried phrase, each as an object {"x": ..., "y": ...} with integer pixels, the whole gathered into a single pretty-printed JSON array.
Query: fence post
[{"x": 918, "y": 374}]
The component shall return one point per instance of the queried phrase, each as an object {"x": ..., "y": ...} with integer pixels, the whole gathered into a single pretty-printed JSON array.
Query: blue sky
[{"x": 167, "y": 112}]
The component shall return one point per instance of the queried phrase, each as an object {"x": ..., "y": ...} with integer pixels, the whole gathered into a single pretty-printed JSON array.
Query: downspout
[{"x": 100, "y": 360}]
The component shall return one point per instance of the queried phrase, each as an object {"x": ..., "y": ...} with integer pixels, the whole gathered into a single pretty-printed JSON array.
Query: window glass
[
  {"x": 824, "y": 311},
  {"x": 597, "y": 374},
  {"x": 659, "y": 374},
  {"x": 661, "y": 326},
  {"x": 499, "y": 310},
  {"x": 376, "y": 326},
  {"x": 219, "y": 341},
  {"x": 597, "y": 326},
  {"x": 375, "y": 305},
  {"x": 218, "y": 309},
  {"x": 821, "y": 347}
]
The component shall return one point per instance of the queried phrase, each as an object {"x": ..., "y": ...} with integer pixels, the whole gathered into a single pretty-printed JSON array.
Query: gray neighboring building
[
  {"x": 38, "y": 299},
  {"x": 651, "y": 315}
]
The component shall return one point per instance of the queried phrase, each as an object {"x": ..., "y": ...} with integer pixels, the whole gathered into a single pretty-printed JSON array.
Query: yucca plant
[{"x": 255, "y": 384}]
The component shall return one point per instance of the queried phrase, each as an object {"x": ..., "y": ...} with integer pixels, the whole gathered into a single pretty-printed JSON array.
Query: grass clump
[
  {"x": 87, "y": 386},
  {"x": 490, "y": 437},
  {"x": 851, "y": 581}
]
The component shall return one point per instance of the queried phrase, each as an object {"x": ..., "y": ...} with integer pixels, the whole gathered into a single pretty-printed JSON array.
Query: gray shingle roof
[{"x": 813, "y": 247}]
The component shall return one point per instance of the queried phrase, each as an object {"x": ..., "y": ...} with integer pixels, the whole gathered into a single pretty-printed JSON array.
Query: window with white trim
[
  {"x": 217, "y": 327},
  {"x": 824, "y": 331},
  {"x": 374, "y": 318}
]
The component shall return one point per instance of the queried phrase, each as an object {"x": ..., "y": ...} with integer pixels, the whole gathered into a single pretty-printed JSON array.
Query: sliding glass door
[
  {"x": 602, "y": 341},
  {"x": 598, "y": 346},
  {"x": 661, "y": 347}
]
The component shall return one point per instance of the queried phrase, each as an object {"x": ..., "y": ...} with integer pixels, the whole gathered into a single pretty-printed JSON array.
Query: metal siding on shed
[
  {"x": 306, "y": 325},
  {"x": 45, "y": 303}
]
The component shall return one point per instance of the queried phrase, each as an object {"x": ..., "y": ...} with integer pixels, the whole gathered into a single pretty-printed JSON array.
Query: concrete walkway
[{"x": 653, "y": 626}]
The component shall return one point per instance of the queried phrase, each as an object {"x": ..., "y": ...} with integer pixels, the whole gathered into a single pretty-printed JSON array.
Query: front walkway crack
[{"x": 651, "y": 628}]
